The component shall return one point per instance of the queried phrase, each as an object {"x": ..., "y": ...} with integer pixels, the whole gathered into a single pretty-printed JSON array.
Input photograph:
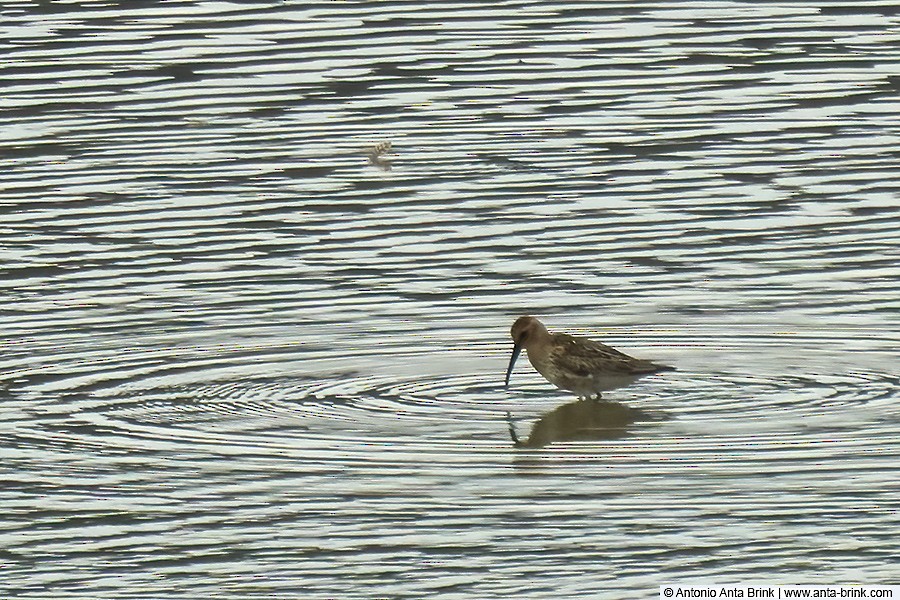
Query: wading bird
[{"x": 576, "y": 364}]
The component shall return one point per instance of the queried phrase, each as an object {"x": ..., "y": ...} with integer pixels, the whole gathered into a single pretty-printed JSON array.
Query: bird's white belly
[
  {"x": 589, "y": 385},
  {"x": 604, "y": 383}
]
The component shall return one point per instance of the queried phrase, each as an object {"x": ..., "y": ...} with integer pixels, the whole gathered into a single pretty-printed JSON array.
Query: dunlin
[{"x": 576, "y": 364}]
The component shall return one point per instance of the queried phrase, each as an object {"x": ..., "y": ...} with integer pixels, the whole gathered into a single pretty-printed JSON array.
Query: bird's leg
[{"x": 512, "y": 431}]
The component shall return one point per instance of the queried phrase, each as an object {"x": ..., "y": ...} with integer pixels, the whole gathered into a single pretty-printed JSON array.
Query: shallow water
[{"x": 239, "y": 360}]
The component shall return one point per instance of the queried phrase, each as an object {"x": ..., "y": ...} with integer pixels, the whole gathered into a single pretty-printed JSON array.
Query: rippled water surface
[{"x": 241, "y": 358}]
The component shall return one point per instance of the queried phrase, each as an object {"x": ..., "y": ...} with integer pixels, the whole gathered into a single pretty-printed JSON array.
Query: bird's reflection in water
[{"x": 583, "y": 420}]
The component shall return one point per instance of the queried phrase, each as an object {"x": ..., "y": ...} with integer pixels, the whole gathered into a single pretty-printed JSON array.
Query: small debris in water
[{"x": 376, "y": 155}]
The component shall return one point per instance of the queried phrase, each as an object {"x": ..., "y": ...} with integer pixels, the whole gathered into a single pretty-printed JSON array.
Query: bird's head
[{"x": 525, "y": 330}]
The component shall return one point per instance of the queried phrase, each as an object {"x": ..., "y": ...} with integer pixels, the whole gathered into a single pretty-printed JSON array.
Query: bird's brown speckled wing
[{"x": 581, "y": 357}]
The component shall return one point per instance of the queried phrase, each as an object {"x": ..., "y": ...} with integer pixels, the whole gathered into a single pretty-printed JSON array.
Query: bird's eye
[{"x": 523, "y": 336}]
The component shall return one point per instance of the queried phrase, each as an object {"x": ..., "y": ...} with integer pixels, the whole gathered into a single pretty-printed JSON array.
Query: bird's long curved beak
[{"x": 512, "y": 361}]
